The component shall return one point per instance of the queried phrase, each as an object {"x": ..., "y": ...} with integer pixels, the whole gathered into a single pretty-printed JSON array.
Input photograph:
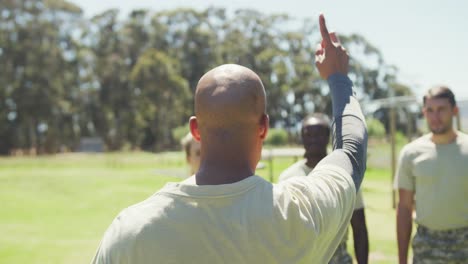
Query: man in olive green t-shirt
[
  {"x": 227, "y": 214},
  {"x": 433, "y": 176}
]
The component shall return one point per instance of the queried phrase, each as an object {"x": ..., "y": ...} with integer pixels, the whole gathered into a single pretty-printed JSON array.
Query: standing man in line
[
  {"x": 227, "y": 214},
  {"x": 192, "y": 152},
  {"x": 433, "y": 176},
  {"x": 315, "y": 135}
]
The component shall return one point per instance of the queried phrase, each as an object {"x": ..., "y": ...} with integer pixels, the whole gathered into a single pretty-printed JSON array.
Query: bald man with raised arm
[{"x": 227, "y": 214}]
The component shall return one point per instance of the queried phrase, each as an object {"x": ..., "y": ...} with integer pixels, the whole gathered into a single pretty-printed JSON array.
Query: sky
[{"x": 426, "y": 39}]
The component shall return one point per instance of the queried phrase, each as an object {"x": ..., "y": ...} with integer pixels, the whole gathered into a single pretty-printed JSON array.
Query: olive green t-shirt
[
  {"x": 438, "y": 176},
  {"x": 251, "y": 221}
]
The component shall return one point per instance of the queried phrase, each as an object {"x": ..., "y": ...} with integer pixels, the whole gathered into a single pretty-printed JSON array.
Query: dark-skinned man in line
[
  {"x": 315, "y": 135},
  {"x": 227, "y": 214}
]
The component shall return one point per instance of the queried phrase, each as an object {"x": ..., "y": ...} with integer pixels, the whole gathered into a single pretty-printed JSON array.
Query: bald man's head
[
  {"x": 229, "y": 98},
  {"x": 231, "y": 123}
]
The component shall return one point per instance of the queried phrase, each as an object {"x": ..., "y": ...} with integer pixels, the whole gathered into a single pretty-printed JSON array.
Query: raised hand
[{"x": 330, "y": 56}]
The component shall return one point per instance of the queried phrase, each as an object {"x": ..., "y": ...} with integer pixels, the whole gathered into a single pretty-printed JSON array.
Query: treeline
[{"x": 130, "y": 81}]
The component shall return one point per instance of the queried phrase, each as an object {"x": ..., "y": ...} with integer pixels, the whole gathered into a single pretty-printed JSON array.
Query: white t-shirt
[{"x": 301, "y": 220}]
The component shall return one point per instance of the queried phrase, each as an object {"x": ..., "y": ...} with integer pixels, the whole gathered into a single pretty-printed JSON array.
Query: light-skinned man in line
[
  {"x": 192, "y": 153},
  {"x": 432, "y": 177}
]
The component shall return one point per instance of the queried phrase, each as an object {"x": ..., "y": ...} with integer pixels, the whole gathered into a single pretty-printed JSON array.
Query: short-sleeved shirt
[
  {"x": 438, "y": 176},
  {"x": 300, "y": 220}
]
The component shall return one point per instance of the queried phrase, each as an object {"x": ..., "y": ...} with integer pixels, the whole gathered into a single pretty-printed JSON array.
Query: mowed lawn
[{"x": 55, "y": 209}]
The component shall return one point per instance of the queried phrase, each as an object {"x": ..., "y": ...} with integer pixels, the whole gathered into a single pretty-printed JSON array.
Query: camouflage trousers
[
  {"x": 341, "y": 255},
  {"x": 444, "y": 247}
]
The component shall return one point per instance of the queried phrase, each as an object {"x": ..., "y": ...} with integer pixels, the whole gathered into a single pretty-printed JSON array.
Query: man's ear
[
  {"x": 264, "y": 126},
  {"x": 193, "y": 123}
]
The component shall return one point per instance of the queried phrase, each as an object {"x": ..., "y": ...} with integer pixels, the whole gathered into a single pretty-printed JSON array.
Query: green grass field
[{"x": 55, "y": 209}]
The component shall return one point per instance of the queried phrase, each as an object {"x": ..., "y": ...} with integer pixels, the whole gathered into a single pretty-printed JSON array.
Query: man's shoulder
[
  {"x": 418, "y": 144},
  {"x": 128, "y": 224},
  {"x": 144, "y": 221},
  {"x": 135, "y": 216}
]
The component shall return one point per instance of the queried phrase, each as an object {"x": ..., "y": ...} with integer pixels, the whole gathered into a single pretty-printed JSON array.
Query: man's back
[{"x": 250, "y": 221}]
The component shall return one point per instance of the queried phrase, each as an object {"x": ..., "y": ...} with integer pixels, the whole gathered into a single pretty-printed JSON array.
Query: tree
[
  {"x": 131, "y": 81},
  {"x": 35, "y": 83},
  {"x": 189, "y": 36},
  {"x": 376, "y": 80},
  {"x": 115, "y": 48},
  {"x": 163, "y": 99}
]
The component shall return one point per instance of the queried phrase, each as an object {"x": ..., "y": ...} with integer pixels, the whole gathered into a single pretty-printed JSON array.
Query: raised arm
[{"x": 349, "y": 133}]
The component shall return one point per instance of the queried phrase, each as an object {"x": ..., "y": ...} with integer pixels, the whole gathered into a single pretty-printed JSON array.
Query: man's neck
[
  {"x": 217, "y": 172},
  {"x": 445, "y": 138}
]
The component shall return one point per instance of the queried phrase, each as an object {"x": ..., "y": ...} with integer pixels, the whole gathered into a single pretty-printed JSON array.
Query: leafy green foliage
[
  {"x": 131, "y": 81},
  {"x": 180, "y": 132},
  {"x": 400, "y": 138},
  {"x": 375, "y": 128},
  {"x": 277, "y": 137}
]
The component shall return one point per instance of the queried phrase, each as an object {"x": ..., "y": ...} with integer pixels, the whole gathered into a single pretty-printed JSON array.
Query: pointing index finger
[{"x": 324, "y": 31}]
